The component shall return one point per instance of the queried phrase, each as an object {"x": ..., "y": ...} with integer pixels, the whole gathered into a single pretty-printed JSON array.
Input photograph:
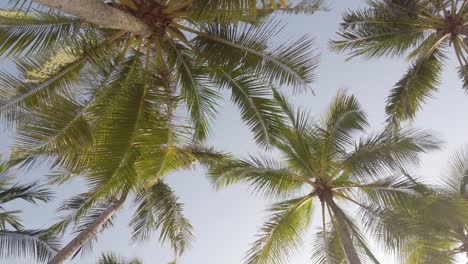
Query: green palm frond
[
  {"x": 111, "y": 258},
  {"x": 43, "y": 76},
  {"x": 33, "y": 32},
  {"x": 416, "y": 86},
  {"x": 280, "y": 237},
  {"x": 456, "y": 176},
  {"x": 289, "y": 64},
  {"x": 252, "y": 96},
  {"x": 28, "y": 244},
  {"x": 158, "y": 208},
  {"x": 265, "y": 175},
  {"x": 463, "y": 74},
  {"x": 326, "y": 247},
  {"x": 386, "y": 151},
  {"x": 345, "y": 117},
  {"x": 375, "y": 33},
  {"x": 31, "y": 193}
]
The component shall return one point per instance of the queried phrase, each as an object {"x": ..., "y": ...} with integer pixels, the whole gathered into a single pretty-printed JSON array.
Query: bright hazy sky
[{"x": 226, "y": 221}]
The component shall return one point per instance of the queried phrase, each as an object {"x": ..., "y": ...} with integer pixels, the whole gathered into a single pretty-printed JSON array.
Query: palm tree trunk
[
  {"x": 88, "y": 232},
  {"x": 99, "y": 13},
  {"x": 345, "y": 236}
]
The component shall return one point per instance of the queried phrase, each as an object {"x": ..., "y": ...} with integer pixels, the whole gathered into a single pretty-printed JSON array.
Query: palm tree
[
  {"x": 433, "y": 227},
  {"x": 322, "y": 161},
  {"x": 100, "y": 103},
  {"x": 198, "y": 46},
  {"x": 421, "y": 29},
  {"x": 123, "y": 157},
  {"x": 15, "y": 241}
]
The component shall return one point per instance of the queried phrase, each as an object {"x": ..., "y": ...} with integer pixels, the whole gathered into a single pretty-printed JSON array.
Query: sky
[{"x": 226, "y": 221}]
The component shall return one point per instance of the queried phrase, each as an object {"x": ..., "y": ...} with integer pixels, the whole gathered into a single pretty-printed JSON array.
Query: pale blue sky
[{"x": 226, "y": 221}]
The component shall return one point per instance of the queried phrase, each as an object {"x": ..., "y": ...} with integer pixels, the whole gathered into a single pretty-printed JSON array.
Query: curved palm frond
[
  {"x": 33, "y": 32},
  {"x": 264, "y": 175},
  {"x": 281, "y": 234},
  {"x": 414, "y": 88},
  {"x": 158, "y": 208},
  {"x": 28, "y": 244}
]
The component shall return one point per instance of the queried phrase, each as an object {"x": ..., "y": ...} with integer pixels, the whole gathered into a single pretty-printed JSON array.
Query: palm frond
[
  {"x": 264, "y": 175},
  {"x": 32, "y": 193},
  {"x": 456, "y": 176},
  {"x": 280, "y": 237},
  {"x": 158, "y": 208},
  {"x": 386, "y": 152},
  {"x": 28, "y": 244},
  {"x": 463, "y": 74},
  {"x": 199, "y": 96},
  {"x": 34, "y": 32},
  {"x": 111, "y": 258},
  {"x": 251, "y": 95},
  {"x": 290, "y": 64},
  {"x": 414, "y": 88},
  {"x": 378, "y": 31}
]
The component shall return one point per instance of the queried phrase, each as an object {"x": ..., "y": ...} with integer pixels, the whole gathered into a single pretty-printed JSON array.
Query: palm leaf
[
  {"x": 158, "y": 208},
  {"x": 416, "y": 86},
  {"x": 280, "y": 237},
  {"x": 29, "y": 244}
]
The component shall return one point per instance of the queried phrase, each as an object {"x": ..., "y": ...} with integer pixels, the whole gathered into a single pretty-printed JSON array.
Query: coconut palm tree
[
  {"x": 422, "y": 30},
  {"x": 198, "y": 46},
  {"x": 122, "y": 149},
  {"x": 15, "y": 241},
  {"x": 322, "y": 162}
]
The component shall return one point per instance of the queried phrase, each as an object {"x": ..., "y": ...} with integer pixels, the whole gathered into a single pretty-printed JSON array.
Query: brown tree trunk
[
  {"x": 345, "y": 236},
  {"x": 96, "y": 12},
  {"x": 87, "y": 233}
]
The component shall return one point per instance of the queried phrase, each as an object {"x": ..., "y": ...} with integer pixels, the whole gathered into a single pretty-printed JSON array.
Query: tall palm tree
[
  {"x": 322, "y": 161},
  {"x": 15, "y": 241},
  {"x": 198, "y": 46},
  {"x": 420, "y": 29},
  {"x": 122, "y": 151}
]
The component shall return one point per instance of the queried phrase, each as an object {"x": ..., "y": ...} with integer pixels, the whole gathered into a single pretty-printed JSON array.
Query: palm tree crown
[
  {"x": 423, "y": 29},
  {"x": 321, "y": 159},
  {"x": 195, "y": 48}
]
